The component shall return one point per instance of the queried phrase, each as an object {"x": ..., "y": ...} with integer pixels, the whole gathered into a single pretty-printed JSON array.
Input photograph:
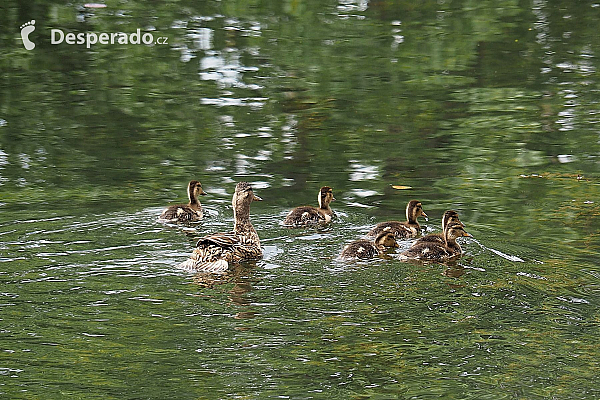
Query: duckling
[
  {"x": 434, "y": 251},
  {"x": 308, "y": 215},
  {"x": 367, "y": 249},
  {"x": 186, "y": 212},
  {"x": 450, "y": 217},
  {"x": 409, "y": 228},
  {"x": 214, "y": 252}
]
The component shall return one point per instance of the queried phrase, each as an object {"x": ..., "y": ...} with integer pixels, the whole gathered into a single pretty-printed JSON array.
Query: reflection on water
[{"x": 489, "y": 110}]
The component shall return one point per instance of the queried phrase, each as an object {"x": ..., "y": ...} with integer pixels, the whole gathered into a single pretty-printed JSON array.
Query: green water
[{"x": 490, "y": 108}]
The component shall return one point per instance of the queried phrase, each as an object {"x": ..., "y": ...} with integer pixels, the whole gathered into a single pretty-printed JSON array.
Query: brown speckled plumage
[
  {"x": 434, "y": 251},
  {"x": 308, "y": 215},
  {"x": 450, "y": 217},
  {"x": 214, "y": 253},
  {"x": 409, "y": 228},
  {"x": 186, "y": 212},
  {"x": 368, "y": 249}
]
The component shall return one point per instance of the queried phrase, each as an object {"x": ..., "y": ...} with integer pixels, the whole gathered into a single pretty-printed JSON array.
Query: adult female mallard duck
[
  {"x": 189, "y": 212},
  {"x": 369, "y": 249},
  {"x": 434, "y": 251},
  {"x": 308, "y": 215},
  {"x": 214, "y": 252},
  {"x": 450, "y": 217},
  {"x": 409, "y": 228}
]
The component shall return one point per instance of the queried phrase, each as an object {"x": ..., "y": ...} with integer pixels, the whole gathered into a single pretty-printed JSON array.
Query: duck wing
[
  {"x": 214, "y": 252},
  {"x": 398, "y": 228},
  {"x": 243, "y": 246},
  {"x": 432, "y": 238},
  {"x": 223, "y": 239},
  {"x": 427, "y": 251},
  {"x": 180, "y": 213},
  {"x": 359, "y": 249},
  {"x": 305, "y": 215}
]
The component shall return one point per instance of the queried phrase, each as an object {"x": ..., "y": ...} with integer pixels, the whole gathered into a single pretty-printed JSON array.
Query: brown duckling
[
  {"x": 450, "y": 217},
  {"x": 214, "y": 252},
  {"x": 369, "y": 249},
  {"x": 434, "y": 251},
  {"x": 308, "y": 215},
  {"x": 186, "y": 212},
  {"x": 409, "y": 228}
]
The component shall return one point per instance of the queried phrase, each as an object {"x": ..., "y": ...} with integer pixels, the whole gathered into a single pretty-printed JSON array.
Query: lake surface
[{"x": 490, "y": 108}]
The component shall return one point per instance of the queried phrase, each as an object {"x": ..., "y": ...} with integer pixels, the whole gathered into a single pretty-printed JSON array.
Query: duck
[
  {"x": 189, "y": 212},
  {"x": 364, "y": 249},
  {"x": 450, "y": 217},
  {"x": 215, "y": 252},
  {"x": 308, "y": 215},
  {"x": 409, "y": 228},
  {"x": 434, "y": 251}
]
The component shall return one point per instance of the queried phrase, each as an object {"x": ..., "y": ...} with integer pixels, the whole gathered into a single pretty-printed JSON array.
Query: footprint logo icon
[{"x": 26, "y": 29}]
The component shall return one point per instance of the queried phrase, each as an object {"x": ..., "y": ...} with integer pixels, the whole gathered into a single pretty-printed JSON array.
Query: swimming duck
[
  {"x": 369, "y": 249},
  {"x": 214, "y": 252},
  {"x": 434, "y": 251},
  {"x": 308, "y": 215},
  {"x": 450, "y": 217},
  {"x": 186, "y": 212},
  {"x": 409, "y": 228}
]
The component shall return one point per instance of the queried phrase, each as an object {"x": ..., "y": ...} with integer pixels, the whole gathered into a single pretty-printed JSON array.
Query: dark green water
[{"x": 490, "y": 108}]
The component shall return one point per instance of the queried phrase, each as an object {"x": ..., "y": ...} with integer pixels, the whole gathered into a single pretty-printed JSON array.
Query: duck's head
[
  {"x": 454, "y": 231},
  {"x": 325, "y": 196},
  {"x": 244, "y": 194},
  {"x": 195, "y": 189},
  {"x": 414, "y": 210},
  {"x": 387, "y": 239},
  {"x": 450, "y": 217}
]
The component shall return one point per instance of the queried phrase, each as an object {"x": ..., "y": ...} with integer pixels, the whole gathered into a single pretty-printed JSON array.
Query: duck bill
[
  {"x": 203, "y": 193},
  {"x": 256, "y": 198},
  {"x": 424, "y": 215}
]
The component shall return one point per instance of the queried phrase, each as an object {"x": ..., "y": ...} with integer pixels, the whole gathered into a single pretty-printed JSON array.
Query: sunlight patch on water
[
  {"x": 362, "y": 193},
  {"x": 252, "y": 102},
  {"x": 361, "y": 172},
  {"x": 531, "y": 275}
]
